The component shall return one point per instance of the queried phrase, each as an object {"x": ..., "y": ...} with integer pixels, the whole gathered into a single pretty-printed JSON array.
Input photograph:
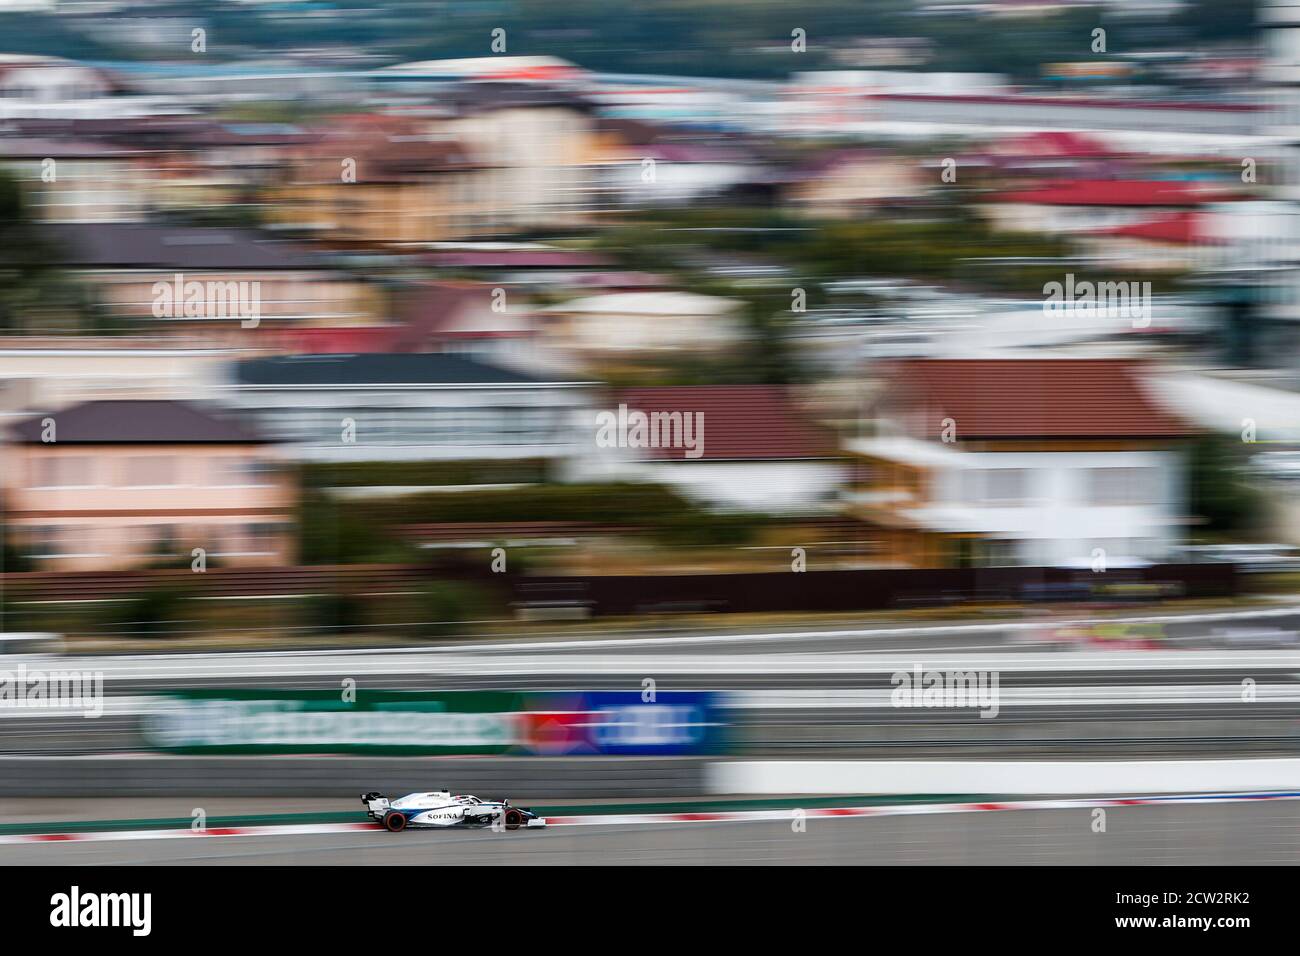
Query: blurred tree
[
  {"x": 12, "y": 559},
  {"x": 448, "y": 608},
  {"x": 336, "y": 612},
  {"x": 24, "y": 256},
  {"x": 685, "y": 37},
  {"x": 155, "y": 612},
  {"x": 1218, "y": 489},
  {"x": 1215, "y": 21}
]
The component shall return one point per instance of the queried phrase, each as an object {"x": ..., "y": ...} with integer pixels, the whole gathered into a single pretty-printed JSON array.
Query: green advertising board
[{"x": 377, "y": 721}]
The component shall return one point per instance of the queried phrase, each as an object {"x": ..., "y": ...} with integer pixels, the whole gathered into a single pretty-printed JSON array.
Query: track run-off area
[{"x": 1248, "y": 828}]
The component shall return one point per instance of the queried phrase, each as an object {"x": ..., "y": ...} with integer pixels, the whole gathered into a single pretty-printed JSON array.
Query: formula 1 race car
[{"x": 440, "y": 808}]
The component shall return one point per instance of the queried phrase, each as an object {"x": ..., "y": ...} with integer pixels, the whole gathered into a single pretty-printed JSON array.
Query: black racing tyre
[
  {"x": 514, "y": 819},
  {"x": 394, "y": 821}
]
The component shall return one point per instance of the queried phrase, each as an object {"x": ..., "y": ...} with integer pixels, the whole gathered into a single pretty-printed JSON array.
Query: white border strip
[{"x": 634, "y": 819}]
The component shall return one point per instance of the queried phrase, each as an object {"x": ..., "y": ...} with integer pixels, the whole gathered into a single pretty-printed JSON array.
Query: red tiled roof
[
  {"x": 1033, "y": 398},
  {"x": 1184, "y": 228},
  {"x": 335, "y": 340},
  {"x": 516, "y": 259},
  {"x": 1065, "y": 103},
  {"x": 1117, "y": 192},
  {"x": 1060, "y": 144},
  {"x": 752, "y": 422}
]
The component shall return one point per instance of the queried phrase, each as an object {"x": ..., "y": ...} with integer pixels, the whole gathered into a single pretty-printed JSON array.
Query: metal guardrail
[
  {"x": 48, "y": 586},
  {"x": 835, "y": 590},
  {"x": 522, "y": 778},
  {"x": 34, "y": 642}
]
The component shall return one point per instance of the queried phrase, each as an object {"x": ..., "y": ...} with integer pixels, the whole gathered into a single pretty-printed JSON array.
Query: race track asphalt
[{"x": 1263, "y": 833}]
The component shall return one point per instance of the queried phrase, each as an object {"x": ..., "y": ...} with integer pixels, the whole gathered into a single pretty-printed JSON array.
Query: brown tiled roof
[
  {"x": 516, "y": 259},
  {"x": 23, "y": 147},
  {"x": 470, "y": 97},
  {"x": 1033, "y": 398},
  {"x": 135, "y": 421},
  {"x": 384, "y": 148},
  {"x": 753, "y": 422},
  {"x": 144, "y": 245},
  {"x": 431, "y": 307}
]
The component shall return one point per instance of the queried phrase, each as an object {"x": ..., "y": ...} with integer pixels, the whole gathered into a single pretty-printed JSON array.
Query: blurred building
[
  {"x": 30, "y": 84},
  {"x": 425, "y": 74},
  {"x": 1078, "y": 205},
  {"x": 1039, "y": 462},
  {"x": 1186, "y": 126},
  {"x": 638, "y": 323},
  {"x": 208, "y": 282},
  {"x": 536, "y": 143},
  {"x": 466, "y": 318},
  {"x": 404, "y": 406},
  {"x": 1179, "y": 241},
  {"x": 56, "y": 371},
  {"x": 1269, "y": 240},
  {"x": 118, "y": 484},
  {"x": 733, "y": 447},
  {"x": 846, "y": 183},
  {"x": 375, "y": 179},
  {"x": 666, "y": 173},
  {"x": 181, "y": 163},
  {"x": 65, "y": 180}
]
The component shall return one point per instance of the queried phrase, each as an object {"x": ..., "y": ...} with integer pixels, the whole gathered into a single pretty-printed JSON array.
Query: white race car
[{"x": 441, "y": 808}]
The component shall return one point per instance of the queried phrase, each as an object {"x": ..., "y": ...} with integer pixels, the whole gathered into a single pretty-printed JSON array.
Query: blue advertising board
[{"x": 673, "y": 722}]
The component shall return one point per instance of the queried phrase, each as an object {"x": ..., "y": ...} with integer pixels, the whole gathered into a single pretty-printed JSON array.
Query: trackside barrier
[
  {"x": 412, "y": 723},
  {"x": 521, "y": 778},
  {"x": 1002, "y": 777}
]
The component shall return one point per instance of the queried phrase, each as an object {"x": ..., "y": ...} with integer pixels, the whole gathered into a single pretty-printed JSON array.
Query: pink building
[{"x": 117, "y": 484}]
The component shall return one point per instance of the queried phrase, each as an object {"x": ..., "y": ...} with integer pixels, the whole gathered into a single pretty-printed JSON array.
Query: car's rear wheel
[
  {"x": 394, "y": 821},
  {"x": 514, "y": 819}
]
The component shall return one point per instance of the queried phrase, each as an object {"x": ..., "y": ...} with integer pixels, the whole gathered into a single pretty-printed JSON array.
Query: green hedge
[
  {"x": 378, "y": 473},
  {"x": 366, "y": 530}
]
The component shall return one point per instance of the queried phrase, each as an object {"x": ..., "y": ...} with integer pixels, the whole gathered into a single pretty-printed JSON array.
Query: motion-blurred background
[{"x": 641, "y": 401}]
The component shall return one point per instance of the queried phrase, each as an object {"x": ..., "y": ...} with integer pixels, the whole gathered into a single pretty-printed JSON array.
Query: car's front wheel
[
  {"x": 514, "y": 819},
  {"x": 394, "y": 821}
]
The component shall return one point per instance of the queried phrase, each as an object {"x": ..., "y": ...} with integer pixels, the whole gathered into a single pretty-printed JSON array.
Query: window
[
  {"x": 259, "y": 472},
  {"x": 261, "y": 538},
  {"x": 996, "y": 553},
  {"x": 995, "y": 486},
  {"x": 1118, "y": 486},
  {"x": 149, "y": 471},
  {"x": 1112, "y": 549},
  {"x": 160, "y": 539},
  {"x": 241, "y": 472},
  {"x": 44, "y": 541},
  {"x": 62, "y": 471},
  {"x": 1005, "y": 486}
]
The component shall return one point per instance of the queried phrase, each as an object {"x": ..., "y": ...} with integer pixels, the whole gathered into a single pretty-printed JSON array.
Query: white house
[
  {"x": 1037, "y": 462},
  {"x": 730, "y": 447},
  {"x": 404, "y": 406},
  {"x": 1087, "y": 206},
  {"x": 633, "y": 322}
]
